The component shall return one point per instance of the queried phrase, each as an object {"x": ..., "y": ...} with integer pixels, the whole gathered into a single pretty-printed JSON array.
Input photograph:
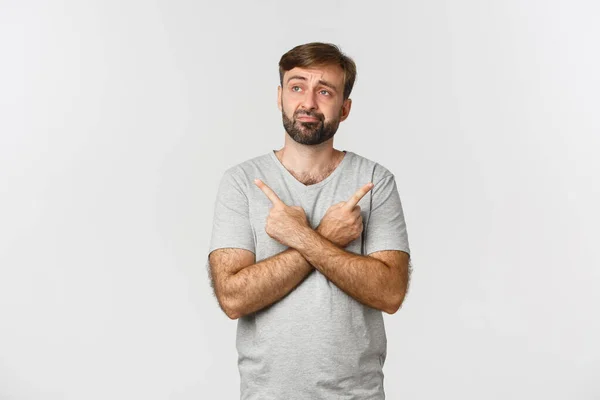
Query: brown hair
[{"x": 318, "y": 54}]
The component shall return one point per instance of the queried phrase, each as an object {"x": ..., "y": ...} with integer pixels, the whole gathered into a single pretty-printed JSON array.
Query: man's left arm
[{"x": 380, "y": 278}]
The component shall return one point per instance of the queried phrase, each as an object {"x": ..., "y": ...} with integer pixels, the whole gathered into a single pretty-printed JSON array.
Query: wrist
[{"x": 303, "y": 238}]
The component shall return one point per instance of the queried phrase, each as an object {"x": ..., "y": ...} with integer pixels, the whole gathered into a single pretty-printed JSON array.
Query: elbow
[
  {"x": 232, "y": 314},
  {"x": 230, "y": 308},
  {"x": 394, "y": 304},
  {"x": 395, "y": 299},
  {"x": 392, "y": 308},
  {"x": 227, "y": 301}
]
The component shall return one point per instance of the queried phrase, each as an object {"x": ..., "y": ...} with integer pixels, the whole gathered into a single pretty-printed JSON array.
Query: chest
[{"x": 314, "y": 201}]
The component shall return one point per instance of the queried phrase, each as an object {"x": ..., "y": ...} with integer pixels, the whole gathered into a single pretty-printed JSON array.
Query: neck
[{"x": 309, "y": 160}]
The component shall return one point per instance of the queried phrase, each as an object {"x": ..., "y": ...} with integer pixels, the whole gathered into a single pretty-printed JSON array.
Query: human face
[{"x": 311, "y": 103}]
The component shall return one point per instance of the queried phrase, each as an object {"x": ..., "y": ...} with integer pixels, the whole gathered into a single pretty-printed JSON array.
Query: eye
[
  {"x": 294, "y": 88},
  {"x": 326, "y": 92}
]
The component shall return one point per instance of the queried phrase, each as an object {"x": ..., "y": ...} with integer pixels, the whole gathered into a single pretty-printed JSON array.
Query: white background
[{"x": 118, "y": 118}]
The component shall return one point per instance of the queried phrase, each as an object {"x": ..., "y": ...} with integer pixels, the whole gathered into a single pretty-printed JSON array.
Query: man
[{"x": 309, "y": 246}]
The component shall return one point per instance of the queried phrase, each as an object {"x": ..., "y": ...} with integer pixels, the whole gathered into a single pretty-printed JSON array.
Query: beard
[{"x": 310, "y": 133}]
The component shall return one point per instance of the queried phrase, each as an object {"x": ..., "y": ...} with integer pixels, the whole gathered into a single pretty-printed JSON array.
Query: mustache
[{"x": 307, "y": 114}]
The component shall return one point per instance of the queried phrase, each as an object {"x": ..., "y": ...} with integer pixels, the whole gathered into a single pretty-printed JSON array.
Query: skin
[
  {"x": 379, "y": 280},
  {"x": 303, "y": 94}
]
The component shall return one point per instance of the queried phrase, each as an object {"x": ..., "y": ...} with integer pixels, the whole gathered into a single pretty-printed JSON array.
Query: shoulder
[
  {"x": 243, "y": 174},
  {"x": 377, "y": 171}
]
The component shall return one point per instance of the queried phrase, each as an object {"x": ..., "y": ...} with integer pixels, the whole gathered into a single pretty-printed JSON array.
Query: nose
[{"x": 309, "y": 102}]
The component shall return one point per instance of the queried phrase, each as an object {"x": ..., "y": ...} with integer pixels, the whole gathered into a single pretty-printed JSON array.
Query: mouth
[{"x": 308, "y": 119}]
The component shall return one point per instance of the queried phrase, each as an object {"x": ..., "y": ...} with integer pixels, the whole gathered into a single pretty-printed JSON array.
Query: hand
[
  {"x": 284, "y": 223},
  {"x": 342, "y": 223}
]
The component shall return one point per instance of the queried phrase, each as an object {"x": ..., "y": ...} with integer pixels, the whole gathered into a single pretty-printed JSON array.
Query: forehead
[{"x": 329, "y": 73}]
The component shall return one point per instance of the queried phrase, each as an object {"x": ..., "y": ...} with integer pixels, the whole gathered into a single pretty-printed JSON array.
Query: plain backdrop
[{"x": 118, "y": 118}]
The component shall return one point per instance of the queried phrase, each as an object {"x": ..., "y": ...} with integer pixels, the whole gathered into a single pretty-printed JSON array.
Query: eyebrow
[{"x": 322, "y": 82}]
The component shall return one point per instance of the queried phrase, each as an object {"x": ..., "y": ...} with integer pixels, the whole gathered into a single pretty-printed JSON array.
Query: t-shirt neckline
[{"x": 288, "y": 175}]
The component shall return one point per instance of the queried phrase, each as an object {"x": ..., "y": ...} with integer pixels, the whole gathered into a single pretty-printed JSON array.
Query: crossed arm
[{"x": 242, "y": 286}]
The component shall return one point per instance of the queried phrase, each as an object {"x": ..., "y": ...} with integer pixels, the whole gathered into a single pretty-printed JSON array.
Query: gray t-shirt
[{"x": 317, "y": 342}]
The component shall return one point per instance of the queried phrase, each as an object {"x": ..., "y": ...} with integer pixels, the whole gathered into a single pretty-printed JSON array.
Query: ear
[
  {"x": 345, "y": 109},
  {"x": 279, "y": 97}
]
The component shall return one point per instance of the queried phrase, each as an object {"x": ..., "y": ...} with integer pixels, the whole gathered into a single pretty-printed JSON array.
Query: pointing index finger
[
  {"x": 350, "y": 204},
  {"x": 268, "y": 192}
]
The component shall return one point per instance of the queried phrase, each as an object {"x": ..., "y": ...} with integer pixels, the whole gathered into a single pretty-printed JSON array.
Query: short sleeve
[
  {"x": 386, "y": 227},
  {"x": 231, "y": 221}
]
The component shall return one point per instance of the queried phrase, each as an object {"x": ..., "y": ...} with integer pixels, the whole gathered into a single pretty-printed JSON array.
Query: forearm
[
  {"x": 265, "y": 282},
  {"x": 366, "y": 279}
]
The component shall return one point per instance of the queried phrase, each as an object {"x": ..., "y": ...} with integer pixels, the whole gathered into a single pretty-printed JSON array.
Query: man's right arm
[{"x": 243, "y": 286}]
